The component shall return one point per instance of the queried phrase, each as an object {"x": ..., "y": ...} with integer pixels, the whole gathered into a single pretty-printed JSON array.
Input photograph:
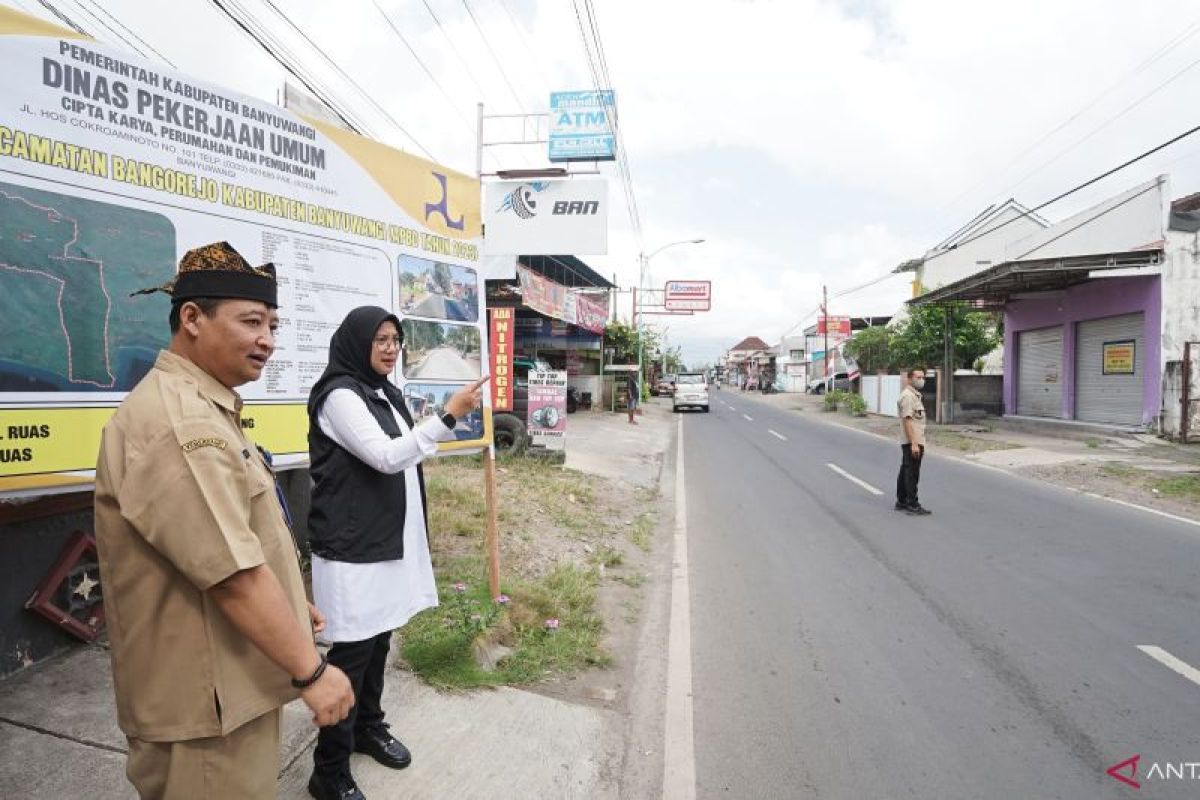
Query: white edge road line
[
  {"x": 1163, "y": 657},
  {"x": 748, "y": 418},
  {"x": 853, "y": 479},
  {"x": 679, "y": 751},
  {"x": 1017, "y": 476},
  {"x": 779, "y": 436}
]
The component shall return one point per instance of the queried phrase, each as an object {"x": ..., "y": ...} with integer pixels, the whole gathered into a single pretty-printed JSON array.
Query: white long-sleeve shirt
[{"x": 363, "y": 600}]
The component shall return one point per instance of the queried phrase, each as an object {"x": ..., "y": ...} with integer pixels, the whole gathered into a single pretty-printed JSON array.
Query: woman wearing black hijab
[{"x": 367, "y": 526}]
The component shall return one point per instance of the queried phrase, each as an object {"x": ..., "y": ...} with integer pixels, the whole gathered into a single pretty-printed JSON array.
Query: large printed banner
[
  {"x": 555, "y": 300},
  {"x": 111, "y": 168}
]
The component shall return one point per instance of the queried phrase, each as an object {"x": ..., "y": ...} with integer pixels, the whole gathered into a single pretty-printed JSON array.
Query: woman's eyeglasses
[{"x": 382, "y": 342}]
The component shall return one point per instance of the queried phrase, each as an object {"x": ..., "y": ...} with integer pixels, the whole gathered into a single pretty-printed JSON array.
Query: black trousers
[
  {"x": 364, "y": 663},
  {"x": 910, "y": 475}
]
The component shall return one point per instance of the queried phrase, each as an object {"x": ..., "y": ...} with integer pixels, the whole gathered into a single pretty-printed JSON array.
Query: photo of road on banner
[
  {"x": 440, "y": 351},
  {"x": 429, "y": 400},
  {"x": 438, "y": 291}
]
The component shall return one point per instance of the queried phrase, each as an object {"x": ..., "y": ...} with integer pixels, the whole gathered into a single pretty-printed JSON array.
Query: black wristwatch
[{"x": 449, "y": 421}]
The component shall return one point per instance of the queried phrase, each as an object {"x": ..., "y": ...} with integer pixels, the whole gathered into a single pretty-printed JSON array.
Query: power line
[
  {"x": 345, "y": 76},
  {"x": 1187, "y": 33},
  {"x": 1086, "y": 183},
  {"x": 457, "y": 52},
  {"x": 123, "y": 27},
  {"x": 260, "y": 39},
  {"x": 529, "y": 48},
  {"x": 488, "y": 45},
  {"x": 597, "y": 66},
  {"x": 117, "y": 37},
  {"x": 62, "y": 17},
  {"x": 470, "y": 125},
  {"x": 1110, "y": 120},
  {"x": 299, "y": 65}
]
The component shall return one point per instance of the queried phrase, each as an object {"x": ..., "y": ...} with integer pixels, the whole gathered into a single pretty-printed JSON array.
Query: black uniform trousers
[
  {"x": 910, "y": 475},
  {"x": 364, "y": 663}
]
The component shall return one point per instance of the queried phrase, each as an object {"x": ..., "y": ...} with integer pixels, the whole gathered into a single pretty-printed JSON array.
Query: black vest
[{"x": 357, "y": 512}]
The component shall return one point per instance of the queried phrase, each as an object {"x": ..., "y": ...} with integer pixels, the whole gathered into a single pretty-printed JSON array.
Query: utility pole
[{"x": 825, "y": 314}]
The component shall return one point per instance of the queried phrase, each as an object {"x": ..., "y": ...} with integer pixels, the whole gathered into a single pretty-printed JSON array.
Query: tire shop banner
[
  {"x": 534, "y": 218},
  {"x": 112, "y": 167},
  {"x": 502, "y": 337},
  {"x": 555, "y": 300},
  {"x": 548, "y": 408}
]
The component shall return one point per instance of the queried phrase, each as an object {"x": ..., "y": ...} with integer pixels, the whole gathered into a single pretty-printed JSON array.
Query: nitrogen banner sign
[
  {"x": 502, "y": 358},
  {"x": 112, "y": 167}
]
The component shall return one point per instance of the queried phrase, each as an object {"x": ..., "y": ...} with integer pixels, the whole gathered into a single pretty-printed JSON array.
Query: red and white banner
[
  {"x": 555, "y": 300},
  {"x": 501, "y": 358},
  {"x": 837, "y": 326}
]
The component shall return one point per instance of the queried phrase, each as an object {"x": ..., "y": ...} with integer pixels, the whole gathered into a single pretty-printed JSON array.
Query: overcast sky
[{"x": 809, "y": 142}]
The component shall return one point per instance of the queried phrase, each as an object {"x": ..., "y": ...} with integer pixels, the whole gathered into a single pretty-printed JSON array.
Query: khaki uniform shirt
[
  {"x": 911, "y": 407},
  {"x": 183, "y": 501}
]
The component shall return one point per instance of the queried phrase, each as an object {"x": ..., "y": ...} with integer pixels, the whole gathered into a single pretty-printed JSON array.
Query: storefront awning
[{"x": 995, "y": 286}]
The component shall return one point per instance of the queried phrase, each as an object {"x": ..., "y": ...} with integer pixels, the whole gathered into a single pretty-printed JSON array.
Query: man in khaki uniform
[
  {"x": 209, "y": 627},
  {"x": 911, "y": 411}
]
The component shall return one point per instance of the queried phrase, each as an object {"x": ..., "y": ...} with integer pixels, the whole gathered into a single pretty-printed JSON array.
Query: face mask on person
[{"x": 918, "y": 383}]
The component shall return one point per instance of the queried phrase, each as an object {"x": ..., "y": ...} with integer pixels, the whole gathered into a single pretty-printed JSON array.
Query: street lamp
[{"x": 642, "y": 272}]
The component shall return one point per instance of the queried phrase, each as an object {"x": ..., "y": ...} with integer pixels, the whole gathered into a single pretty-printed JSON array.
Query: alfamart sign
[{"x": 688, "y": 296}]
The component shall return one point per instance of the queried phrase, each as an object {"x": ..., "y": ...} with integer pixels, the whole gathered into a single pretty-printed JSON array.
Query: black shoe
[
  {"x": 918, "y": 511},
  {"x": 335, "y": 787},
  {"x": 382, "y": 746}
]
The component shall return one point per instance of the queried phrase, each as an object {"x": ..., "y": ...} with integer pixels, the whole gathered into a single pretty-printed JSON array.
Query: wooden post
[{"x": 491, "y": 539}]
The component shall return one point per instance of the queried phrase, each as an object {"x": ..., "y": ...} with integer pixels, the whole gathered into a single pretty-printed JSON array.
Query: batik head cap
[{"x": 217, "y": 270}]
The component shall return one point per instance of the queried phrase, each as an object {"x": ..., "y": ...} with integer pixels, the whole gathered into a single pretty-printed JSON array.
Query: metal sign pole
[{"x": 491, "y": 532}]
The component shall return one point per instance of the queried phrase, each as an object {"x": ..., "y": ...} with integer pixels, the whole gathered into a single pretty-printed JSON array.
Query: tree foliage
[
  {"x": 919, "y": 340},
  {"x": 623, "y": 338}
]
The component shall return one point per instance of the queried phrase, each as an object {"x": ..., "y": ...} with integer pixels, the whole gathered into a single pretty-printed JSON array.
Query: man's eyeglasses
[{"x": 382, "y": 342}]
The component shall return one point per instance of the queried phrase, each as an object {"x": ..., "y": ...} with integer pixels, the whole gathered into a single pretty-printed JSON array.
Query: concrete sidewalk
[{"x": 59, "y": 737}]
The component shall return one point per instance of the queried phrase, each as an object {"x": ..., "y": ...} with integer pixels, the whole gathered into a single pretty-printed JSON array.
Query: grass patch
[
  {"x": 641, "y": 532},
  {"x": 1186, "y": 487},
  {"x": 608, "y": 557},
  {"x": 966, "y": 444},
  {"x": 437, "y": 644},
  {"x": 1117, "y": 469},
  {"x": 1092, "y": 442},
  {"x": 633, "y": 580}
]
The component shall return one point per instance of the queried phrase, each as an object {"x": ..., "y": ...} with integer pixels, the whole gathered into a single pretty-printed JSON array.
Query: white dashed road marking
[
  {"x": 779, "y": 436},
  {"x": 1166, "y": 659},
  {"x": 853, "y": 479}
]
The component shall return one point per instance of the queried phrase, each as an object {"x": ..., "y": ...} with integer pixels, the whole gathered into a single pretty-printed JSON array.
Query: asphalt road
[{"x": 843, "y": 650}]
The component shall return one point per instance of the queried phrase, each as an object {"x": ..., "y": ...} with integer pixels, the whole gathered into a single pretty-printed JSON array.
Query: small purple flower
[
  {"x": 503, "y": 600},
  {"x": 552, "y": 624},
  {"x": 460, "y": 587}
]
